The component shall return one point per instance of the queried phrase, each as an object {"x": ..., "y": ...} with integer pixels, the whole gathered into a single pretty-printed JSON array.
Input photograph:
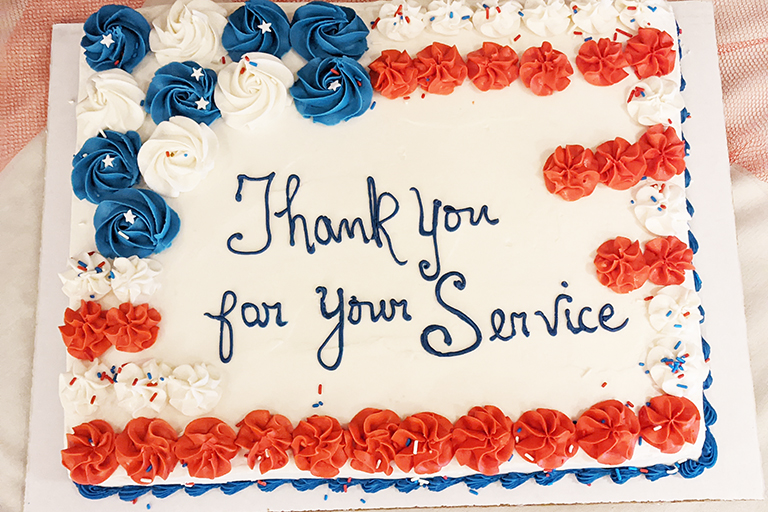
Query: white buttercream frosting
[
  {"x": 401, "y": 20},
  {"x": 675, "y": 365},
  {"x": 178, "y": 155},
  {"x": 140, "y": 390},
  {"x": 86, "y": 279},
  {"x": 81, "y": 390},
  {"x": 494, "y": 19},
  {"x": 112, "y": 101},
  {"x": 673, "y": 309},
  {"x": 643, "y": 13},
  {"x": 190, "y": 30},
  {"x": 134, "y": 279},
  {"x": 660, "y": 102},
  {"x": 594, "y": 16},
  {"x": 661, "y": 207},
  {"x": 546, "y": 17},
  {"x": 449, "y": 17},
  {"x": 194, "y": 390},
  {"x": 253, "y": 91}
]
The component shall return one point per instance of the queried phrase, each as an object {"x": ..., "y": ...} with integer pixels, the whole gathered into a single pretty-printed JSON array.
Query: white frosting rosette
[
  {"x": 449, "y": 17},
  {"x": 253, "y": 91},
  {"x": 643, "y": 13},
  {"x": 594, "y": 16},
  {"x": 494, "y": 19},
  {"x": 81, "y": 390},
  {"x": 140, "y": 390},
  {"x": 661, "y": 208},
  {"x": 400, "y": 20},
  {"x": 660, "y": 102},
  {"x": 191, "y": 30},
  {"x": 87, "y": 278},
  {"x": 546, "y": 17},
  {"x": 134, "y": 279},
  {"x": 194, "y": 390},
  {"x": 178, "y": 155},
  {"x": 112, "y": 101},
  {"x": 674, "y": 309},
  {"x": 676, "y": 365}
]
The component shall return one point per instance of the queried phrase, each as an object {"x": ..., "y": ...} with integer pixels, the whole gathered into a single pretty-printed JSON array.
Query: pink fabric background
[{"x": 25, "y": 39}]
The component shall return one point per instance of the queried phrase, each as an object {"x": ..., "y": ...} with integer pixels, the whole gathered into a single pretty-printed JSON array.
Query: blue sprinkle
[
  {"x": 669, "y": 313},
  {"x": 632, "y": 20},
  {"x": 678, "y": 326},
  {"x": 473, "y": 492},
  {"x": 653, "y": 9},
  {"x": 648, "y": 404},
  {"x": 149, "y": 468},
  {"x": 82, "y": 264},
  {"x": 162, "y": 378},
  {"x": 254, "y": 64},
  {"x": 373, "y": 105},
  {"x": 362, "y": 500},
  {"x": 450, "y": 14},
  {"x": 111, "y": 275},
  {"x": 408, "y": 442},
  {"x": 653, "y": 199},
  {"x": 677, "y": 345},
  {"x": 149, "y": 376},
  {"x": 587, "y": 39},
  {"x": 639, "y": 441},
  {"x": 90, "y": 441},
  {"x": 99, "y": 270},
  {"x": 520, "y": 13},
  {"x": 519, "y": 429},
  {"x": 485, "y": 7},
  {"x": 93, "y": 296},
  {"x": 660, "y": 209},
  {"x": 141, "y": 103},
  {"x": 510, "y": 457},
  {"x": 325, "y": 497},
  {"x": 641, "y": 364},
  {"x": 149, "y": 506},
  {"x": 647, "y": 371},
  {"x": 682, "y": 386},
  {"x": 432, "y": 18},
  {"x": 465, "y": 17},
  {"x": 320, "y": 402},
  {"x": 184, "y": 464},
  {"x": 98, "y": 374},
  {"x": 602, "y": 421},
  {"x": 315, "y": 406},
  {"x": 632, "y": 201},
  {"x": 642, "y": 93},
  {"x": 644, "y": 178}
]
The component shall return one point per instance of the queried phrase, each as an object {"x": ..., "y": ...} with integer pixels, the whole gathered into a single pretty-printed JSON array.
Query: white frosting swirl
[
  {"x": 87, "y": 278},
  {"x": 449, "y": 17},
  {"x": 253, "y": 91},
  {"x": 191, "y": 30},
  {"x": 594, "y": 16},
  {"x": 400, "y": 20},
  {"x": 673, "y": 309},
  {"x": 141, "y": 390},
  {"x": 497, "y": 20},
  {"x": 660, "y": 102},
  {"x": 546, "y": 17},
  {"x": 134, "y": 279},
  {"x": 676, "y": 366},
  {"x": 661, "y": 208},
  {"x": 112, "y": 100},
  {"x": 194, "y": 390},
  {"x": 178, "y": 155},
  {"x": 644, "y": 13},
  {"x": 81, "y": 390}
]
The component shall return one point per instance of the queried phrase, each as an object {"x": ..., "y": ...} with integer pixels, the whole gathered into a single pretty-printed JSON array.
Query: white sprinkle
[
  {"x": 266, "y": 453},
  {"x": 657, "y": 428},
  {"x": 415, "y": 446},
  {"x": 265, "y": 27},
  {"x": 197, "y": 74},
  {"x": 123, "y": 235},
  {"x": 107, "y": 40},
  {"x": 334, "y": 85},
  {"x": 528, "y": 456},
  {"x": 671, "y": 471}
]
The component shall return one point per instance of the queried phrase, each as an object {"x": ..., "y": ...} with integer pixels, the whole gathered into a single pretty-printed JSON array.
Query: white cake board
[{"x": 737, "y": 474}]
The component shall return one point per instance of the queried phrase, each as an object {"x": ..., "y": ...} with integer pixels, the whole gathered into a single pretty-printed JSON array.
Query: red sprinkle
[
  {"x": 134, "y": 500},
  {"x": 407, "y": 19},
  {"x": 650, "y": 297},
  {"x": 261, "y": 483},
  {"x": 663, "y": 207},
  {"x": 576, "y": 33},
  {"x": 681, "y": 376},
  {"x": 487, "y": 13},
  {"x": 151, "y": 384},
  {"x": 375, "y": 22},
  {"x": 624, "y": 33},
  {"x": 631, "y": 8},
  {"x": 423, "y": 95},
  {"x": 72, "y": 381},
  {"x": 223, "y": 60},
  {"x": 319, "y": 389},
  {"x": 82, "y": 268},
  {"x": 643, "y": 470},
  {"x": 117, "y": 63},
  {"x": 242, "y": 70},
  {"x": 517, "y": 37},
  {"x": 335, "y": 71},
  {"x": 686, "y": 314},
  {"x": 101, "y": 264},
  {"x": 614, "y": 36},
  {"x": 399, "y": 11},
  {"x": 135, "y": 381},
  {"x": 604, "y": 384},
  {"x": 246, "y": 58},
  {"x": 630, "y": 403},
  {"x": 93, "y": 399},
  {"x": 686, "y": 355},
  {"x": 153, "y": 397},
  {"x": 406, "y": 97},
  {"x": 706, "y": 360},
  {"x": 167, "y": 154},
  {"x": 345, "y": 487}
]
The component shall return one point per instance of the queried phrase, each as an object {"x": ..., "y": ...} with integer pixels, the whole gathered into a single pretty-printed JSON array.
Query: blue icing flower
[
  {"x": 182, "y": 89},
  {"x": 257, "y": 26},
  {"x": 134, "y": 222},
  {"x": 105, "y": 165},
  {"x": 320, "y": 29},
  {"x": 115, "y": 37},
  {"x": 332, "y": 90}
]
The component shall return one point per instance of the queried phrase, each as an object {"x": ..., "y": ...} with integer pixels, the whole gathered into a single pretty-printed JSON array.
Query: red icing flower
[
  {"x": 83, "y": 331},
  {"x": 545, "y": 437},
  {"x": 370, "y": 446},
  {"x": 668, "y": 259},
  {"x": 608, "y": 432},
  {"x": 602, "y": 62},
  {"x": 664, "y": 152},
  {"x": 132, "y": 329},
  {"x": 650, "y": 52},
  {"x": 621, "y": 165},
  {"x": 492, "y": 67},
  {"x": 145, "y": 449},
  {"x": 544, "y": 70},
  {"x": 440, "y": 68},
  {"x": 669, "y": 422},
  {"x": 393, "y": 74},
  {"x": 265, "y": 437},
  {"x": 423, "y": 443},
  {"x": 482, "y": 439},
  {"x": 90, "y": 453},
  {"x": 571, "y": 172},
  {"x": 318, "y": 446},
  {"x": 621, "y": 265},
  {"x": 207, "y": 446}
]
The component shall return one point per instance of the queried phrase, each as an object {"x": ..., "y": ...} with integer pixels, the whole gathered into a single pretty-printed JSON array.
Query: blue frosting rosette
[
  {"x": 105, "y": 165},
  {"x": 182, "y": 89},
  {"x": 134, "y": 222},
  {"x": 115, "y": 37},
  {"x": 321, "y": 29},
  {"x": 332, "y": 90},
  {"x": 257, "y": 26}
]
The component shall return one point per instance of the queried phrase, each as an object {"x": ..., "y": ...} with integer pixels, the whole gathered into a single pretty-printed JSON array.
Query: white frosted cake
[{"x": 384, "y": 245}]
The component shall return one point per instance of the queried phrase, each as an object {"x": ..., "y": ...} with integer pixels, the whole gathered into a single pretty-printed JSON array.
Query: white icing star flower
[
  {"x": 658, "y": 101},
  {"x": 87, "y": 278},
  {"x": 674, "y": 309},
  {"x": 265, "y": 27},
  {"x": 194, "y": 390},
  {"x": 112, "y": 101},
  {"x": 107, "y": 161},
  {"x": 82, "y": 390},
  {"x": 197, "y": 73},
  {"x": 661, "y": 208},
  {"x": 334, "y": 85},
  {"x": 107, "y": 40},
  {"x": 676, "y": 365},
  {"x": 494, "y": 19},
  {"x": 400, "y": 20},
  {"x": 202, "y": 103},
  {"x": 190, "y": 30},
  {"x": 141, "y": 390},
  {"x": 134, "y": 279}
]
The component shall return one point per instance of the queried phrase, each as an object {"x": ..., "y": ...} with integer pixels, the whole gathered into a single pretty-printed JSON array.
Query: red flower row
[
  {"x": 650, "y": 53},
  {"x": 88, "y": 332},
  {"x": 376, "y": 441},
  {"x": 573, "y": 172},
  {"x": 622, "y": 267}
]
